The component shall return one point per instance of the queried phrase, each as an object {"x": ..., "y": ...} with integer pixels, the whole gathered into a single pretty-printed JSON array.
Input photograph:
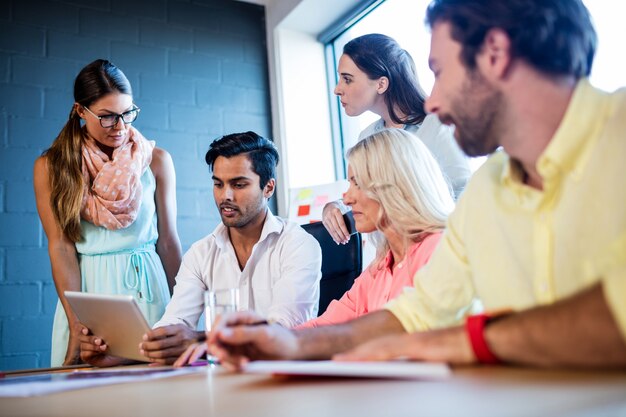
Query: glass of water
[{"x": 218, "y": 303}]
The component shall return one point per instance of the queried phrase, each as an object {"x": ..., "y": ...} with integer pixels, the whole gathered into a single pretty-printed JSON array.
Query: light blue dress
[{"x": 120, "y": 261}]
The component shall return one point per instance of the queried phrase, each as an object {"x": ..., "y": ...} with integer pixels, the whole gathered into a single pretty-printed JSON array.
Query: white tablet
[{"x": 115, "y": 318}]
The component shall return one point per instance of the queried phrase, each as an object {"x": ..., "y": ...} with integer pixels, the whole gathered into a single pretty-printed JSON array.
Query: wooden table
[{"x": 469, "y": 392}]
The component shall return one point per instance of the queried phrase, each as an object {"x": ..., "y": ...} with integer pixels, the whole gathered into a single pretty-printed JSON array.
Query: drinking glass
[{"x": 219, "y": 302}]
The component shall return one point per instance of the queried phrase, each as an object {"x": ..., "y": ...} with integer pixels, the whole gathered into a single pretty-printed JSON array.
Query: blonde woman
[
  {"x": 100, "y": 189},
  {"x": 397, "y": 191}
]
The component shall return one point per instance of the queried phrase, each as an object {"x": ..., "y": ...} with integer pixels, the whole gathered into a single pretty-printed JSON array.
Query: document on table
[
  {"x": 386, "y": 370},
  {"x": 48, "y": 383}
]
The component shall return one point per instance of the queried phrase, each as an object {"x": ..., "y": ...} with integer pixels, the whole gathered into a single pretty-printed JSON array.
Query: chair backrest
[{"x": 341, "y": 264}]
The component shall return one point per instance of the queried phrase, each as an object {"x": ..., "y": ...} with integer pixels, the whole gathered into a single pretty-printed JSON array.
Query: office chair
[{"x": 341, "y": 264}]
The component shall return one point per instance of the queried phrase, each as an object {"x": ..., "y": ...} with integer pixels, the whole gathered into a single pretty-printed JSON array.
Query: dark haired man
[
  {"x": 274, "y": 263},
  {"x": 540, "y": 230}
]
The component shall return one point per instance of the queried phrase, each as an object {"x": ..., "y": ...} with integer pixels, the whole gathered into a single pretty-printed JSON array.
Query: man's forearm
[
  {"x": 579, "y": 331},
  {"x": 325, "y": 341}
]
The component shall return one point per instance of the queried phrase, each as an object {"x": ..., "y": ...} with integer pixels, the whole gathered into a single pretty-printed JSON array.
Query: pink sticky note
[{"x": 320, "y": 200}]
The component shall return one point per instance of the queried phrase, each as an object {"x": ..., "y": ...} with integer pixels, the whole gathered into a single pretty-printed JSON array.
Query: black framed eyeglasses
[{"x": 111, "y": 120}]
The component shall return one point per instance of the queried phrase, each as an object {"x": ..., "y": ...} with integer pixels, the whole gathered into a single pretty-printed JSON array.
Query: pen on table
[
  {"x": 202, "y": 336},
  {"x": 199, "y": 362}
]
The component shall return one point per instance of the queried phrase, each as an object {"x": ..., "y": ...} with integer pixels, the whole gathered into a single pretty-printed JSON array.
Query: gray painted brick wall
[{"x": 198, "y": 70}]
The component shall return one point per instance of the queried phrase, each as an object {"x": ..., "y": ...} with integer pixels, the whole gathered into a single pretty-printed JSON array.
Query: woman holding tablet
[{"x": 106, "y": 199}]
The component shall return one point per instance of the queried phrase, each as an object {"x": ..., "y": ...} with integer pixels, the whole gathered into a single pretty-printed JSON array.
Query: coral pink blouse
[{"x": 377, "y": 285}]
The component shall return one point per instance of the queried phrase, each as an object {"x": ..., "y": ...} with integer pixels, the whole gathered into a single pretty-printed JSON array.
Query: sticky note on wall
[
  {"x": 304, "y": 210},
  {"x": 305, "y": 194},
  {"x": 320, "y": 200}
]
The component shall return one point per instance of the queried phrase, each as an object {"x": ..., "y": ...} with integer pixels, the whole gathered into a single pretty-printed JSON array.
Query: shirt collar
[
  {"x": 385, "y": 263},
  {"x": 271, "y": 225},
  {"x": 512, "y": 172},
  {"x": 568, "y": 148}
]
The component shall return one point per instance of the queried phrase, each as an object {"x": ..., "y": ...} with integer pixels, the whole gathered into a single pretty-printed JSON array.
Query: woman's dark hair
[
  {"x": 99, "y": 79},
  {"x": 380, "y": 56},
  {"x": 261, "y": 152},
  {"x": 64, "y": 157},
  {"x": 555, "y": 36}
]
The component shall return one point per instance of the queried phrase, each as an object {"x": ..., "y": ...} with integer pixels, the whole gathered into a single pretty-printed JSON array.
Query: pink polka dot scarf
[{"x": 112, "y": 194}]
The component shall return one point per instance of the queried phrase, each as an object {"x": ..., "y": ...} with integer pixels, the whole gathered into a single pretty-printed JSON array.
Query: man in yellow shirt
[{"x": 541, "y": 228}]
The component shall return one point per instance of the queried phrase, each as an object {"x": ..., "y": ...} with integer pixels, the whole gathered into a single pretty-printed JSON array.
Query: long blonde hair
[
  {"x": 396, "y": 169},
  {"x": 64, "y": 157}
]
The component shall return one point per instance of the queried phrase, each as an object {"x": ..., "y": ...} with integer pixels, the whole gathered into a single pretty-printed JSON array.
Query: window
[
  {"x": 403, "y": 20},
  {"x": 609, "y": 68}
]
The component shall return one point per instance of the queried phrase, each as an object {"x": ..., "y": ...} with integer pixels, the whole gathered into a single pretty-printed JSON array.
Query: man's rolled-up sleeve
[{"x": 187, "y": 301}]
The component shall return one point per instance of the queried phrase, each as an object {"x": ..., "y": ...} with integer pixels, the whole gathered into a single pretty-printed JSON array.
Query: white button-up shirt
[{"x": 280, "y": 280}]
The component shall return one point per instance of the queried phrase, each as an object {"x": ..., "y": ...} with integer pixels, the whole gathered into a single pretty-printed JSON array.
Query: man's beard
[{"x": 478, "y": 117}]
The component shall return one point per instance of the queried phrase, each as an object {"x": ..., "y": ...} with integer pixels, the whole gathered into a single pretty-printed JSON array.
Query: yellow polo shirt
[{"x": 509, "y": 246}]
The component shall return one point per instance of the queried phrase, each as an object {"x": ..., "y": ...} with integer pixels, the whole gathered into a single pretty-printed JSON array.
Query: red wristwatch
[{"x": 475, "y": 328}]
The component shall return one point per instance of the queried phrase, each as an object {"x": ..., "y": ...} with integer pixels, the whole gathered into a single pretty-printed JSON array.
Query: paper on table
[
  {"x": 48, "y": 383},
  {"x": 391, "y": 369}
]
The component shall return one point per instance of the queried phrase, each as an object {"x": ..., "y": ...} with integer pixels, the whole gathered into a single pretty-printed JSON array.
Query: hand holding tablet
[{"x": 116, "y": 319}]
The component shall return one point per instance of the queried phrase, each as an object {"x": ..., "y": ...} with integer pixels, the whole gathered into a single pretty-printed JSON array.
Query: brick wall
[{"x": 198, "y": 70}]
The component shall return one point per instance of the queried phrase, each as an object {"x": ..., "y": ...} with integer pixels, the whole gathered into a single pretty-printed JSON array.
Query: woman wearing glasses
[{"x": 100, "y": 189}]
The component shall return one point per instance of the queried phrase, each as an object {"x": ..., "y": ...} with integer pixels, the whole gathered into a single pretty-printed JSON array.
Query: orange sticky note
[{"x": 304, "y": 210}]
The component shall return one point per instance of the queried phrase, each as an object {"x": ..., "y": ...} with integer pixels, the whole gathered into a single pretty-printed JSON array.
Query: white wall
[
  {"x": 298, "y": 88},
  {"x": 307, "y": 144}
]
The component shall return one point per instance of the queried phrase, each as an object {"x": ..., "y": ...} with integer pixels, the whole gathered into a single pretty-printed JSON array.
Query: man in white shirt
[{"x": 274, "y": 263}]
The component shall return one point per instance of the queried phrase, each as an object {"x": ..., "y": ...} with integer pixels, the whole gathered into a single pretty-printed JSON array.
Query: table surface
[{"x": 484, "y": 392}]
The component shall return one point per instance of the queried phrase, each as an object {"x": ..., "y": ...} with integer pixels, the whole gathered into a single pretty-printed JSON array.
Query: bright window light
[
  {"x": 609, "y": 67},
  {"x": 403, "y": 20}
]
